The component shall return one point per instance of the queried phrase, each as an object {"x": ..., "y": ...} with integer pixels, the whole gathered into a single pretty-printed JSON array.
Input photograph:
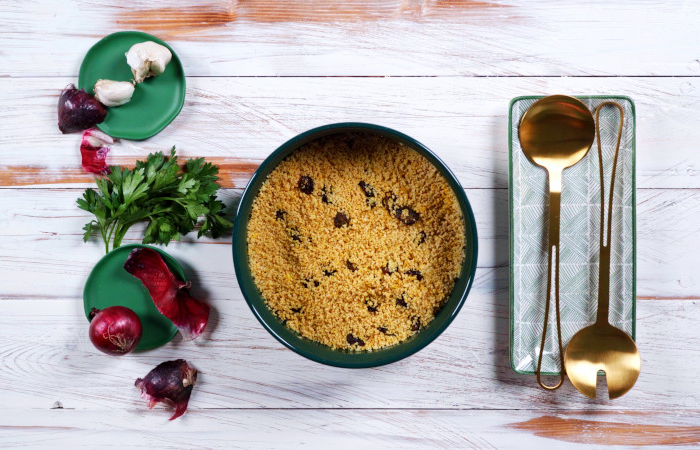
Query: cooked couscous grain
[{"x": 355, "y": 241}]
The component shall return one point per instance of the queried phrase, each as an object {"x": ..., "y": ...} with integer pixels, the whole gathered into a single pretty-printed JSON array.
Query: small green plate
[
  {"x": 156, "y": 101},
  {"x": 109, "y": 284}
]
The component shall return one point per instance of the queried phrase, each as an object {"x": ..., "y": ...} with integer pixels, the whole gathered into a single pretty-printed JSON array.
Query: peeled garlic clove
[
  {"x": 113, "y": 93},
  {"x": 147, "y": 59}
]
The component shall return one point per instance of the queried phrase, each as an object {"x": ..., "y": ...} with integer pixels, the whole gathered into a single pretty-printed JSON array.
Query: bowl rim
[{"x": 346, "y": 359}]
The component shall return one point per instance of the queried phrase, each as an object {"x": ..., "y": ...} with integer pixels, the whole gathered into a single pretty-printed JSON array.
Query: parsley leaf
[{"x": 156, "y": 191}]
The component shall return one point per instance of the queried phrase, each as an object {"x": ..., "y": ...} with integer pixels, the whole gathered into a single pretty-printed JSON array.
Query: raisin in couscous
[{"x": 355, "y": 241}]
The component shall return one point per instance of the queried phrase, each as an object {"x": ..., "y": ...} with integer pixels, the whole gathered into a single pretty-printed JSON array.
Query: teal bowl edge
[{"x": 314, "y": 350}]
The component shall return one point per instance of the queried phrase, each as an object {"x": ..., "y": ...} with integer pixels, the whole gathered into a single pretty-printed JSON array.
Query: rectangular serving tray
[{"x": 580, "y": 234}]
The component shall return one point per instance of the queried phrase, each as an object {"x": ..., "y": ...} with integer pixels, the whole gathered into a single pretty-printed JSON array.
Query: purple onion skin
[
  {"x": 170, "y": 382},
  {"x": 78, "y": 110}
]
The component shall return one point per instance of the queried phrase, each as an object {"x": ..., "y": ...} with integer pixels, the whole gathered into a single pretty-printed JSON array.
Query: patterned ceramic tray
[{"x": 580, "y": 233}]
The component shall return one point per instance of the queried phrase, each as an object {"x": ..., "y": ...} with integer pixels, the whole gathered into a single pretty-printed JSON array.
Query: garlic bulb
[
  {"x": 147, "y": 59},
  {"x": 113, "y": 93}
]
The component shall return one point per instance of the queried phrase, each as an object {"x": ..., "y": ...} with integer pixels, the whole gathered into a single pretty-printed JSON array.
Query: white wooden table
[{"x": 260, "y": 72}]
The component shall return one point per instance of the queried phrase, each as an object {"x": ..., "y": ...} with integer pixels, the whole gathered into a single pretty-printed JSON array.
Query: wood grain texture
[
  {"x": 366, "y": 37},
  {"x": 42, "y": 231},
  {"x": 239, "y": 121},
  {"x": 138, "y": 427},
  {"x": 262, "y": 71},
  {"x": 45, "y": 264}
]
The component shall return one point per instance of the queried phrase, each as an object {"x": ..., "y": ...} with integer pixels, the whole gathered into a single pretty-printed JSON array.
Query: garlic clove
[
  {"x": 113, "y": 93},
  {"x": 147, "y": 59}
]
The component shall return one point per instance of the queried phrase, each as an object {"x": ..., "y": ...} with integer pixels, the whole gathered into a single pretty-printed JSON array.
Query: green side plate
[
  {"x": 156, "y": 101},
  {"x": 109, "y": 284}
]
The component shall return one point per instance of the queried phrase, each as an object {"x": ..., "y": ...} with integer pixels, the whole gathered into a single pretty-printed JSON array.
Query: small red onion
[
  {"x": 115, "y": 330},
  {"x": 93, "y": 149},
  {"x": 78, "y": 110},
  {"x": 170, "y": 382}
]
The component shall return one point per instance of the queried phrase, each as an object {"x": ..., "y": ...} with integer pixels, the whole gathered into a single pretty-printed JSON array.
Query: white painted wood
[
  {"x": 42, "y": 236},
  {"x": 47, "y": 357},
  {"x": 45, "y": 263},
  {"x": 459, "y": 392},
  {"x": 137, "y": 427},
  {"x": 366, "y": 37},
  {"x": 464, "y": 120}
]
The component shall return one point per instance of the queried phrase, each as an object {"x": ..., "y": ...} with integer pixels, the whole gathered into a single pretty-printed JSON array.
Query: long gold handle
[
  {"x": 552, "y": 269},
  {"x": 605, "y": 235}
]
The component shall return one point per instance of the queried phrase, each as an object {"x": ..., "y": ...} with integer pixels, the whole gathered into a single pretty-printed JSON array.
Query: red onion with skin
[
  {"x": 170, "y": 382},
  {"x": 93, "y": 149},
  {"x": 115, "y": 330},
  {"x": 169, "y": 294},
  {"x": 78, "y": 110}
]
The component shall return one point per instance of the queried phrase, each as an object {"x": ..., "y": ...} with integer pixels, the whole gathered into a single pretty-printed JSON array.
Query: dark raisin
[
  {"x": 421, "y": 237},
  {"x": 390, "y": 268},
  {"x": 407, "y": 215},
  {"x": 385, "y": 331},
  {"x": 296, "y": 310},
  {"x": 372, "y": 305},
  {"x": 367, "y": 189},
  {"x": 325, "y": 192},
  {"x": 307, "y": 282},
  {"x": 415, "y": 323},
  {"x": 389, "y": 201},
  {"x": 329, "y": 273},
  {"x": 401, "y": 301},
  {"x": 354, "y": 340},
  {"x": 279, "y": 215},
  {"x": 371, "y": 202},
  {"x": 416, "y": 273},
  {"x": 341, "y": 220},
  {"x": 295, "y": 234},
  {"x": 350, "y": 266},
  {"x": 306, "y": 184}
]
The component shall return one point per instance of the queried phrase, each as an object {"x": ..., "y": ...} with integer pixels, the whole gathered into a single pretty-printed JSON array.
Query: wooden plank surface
[
  {"x": 45, "y": 264},
  {"x": 348, "y": 429},
  {"x": 239, "y": 121},
  {"x": 366, "y": 37},
  {"x": 262, "y": 71}
]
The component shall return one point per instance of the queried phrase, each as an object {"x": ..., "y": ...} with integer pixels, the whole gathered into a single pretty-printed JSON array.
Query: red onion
[
  {"x": 115, "y": 330},
  {"x": 93, "y": 149},
  {"x": 169, "y": 294},
  {"x": 170, "y": 382},
  {"x": 78, "y": 110}
]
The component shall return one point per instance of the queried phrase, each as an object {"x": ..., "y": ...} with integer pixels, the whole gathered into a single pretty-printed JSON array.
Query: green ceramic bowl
[{"x": 313, "y": 350}]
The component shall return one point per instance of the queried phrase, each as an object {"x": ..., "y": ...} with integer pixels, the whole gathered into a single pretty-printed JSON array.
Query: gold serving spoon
[
  {"x": 601, "y": 346},
  {"x": 556, "y": 132}
]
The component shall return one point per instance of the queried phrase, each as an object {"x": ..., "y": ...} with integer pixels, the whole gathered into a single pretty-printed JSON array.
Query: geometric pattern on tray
[{"x": 579, "y": 239}]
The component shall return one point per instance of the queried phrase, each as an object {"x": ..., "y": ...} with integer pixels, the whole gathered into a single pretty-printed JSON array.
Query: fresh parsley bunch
[{"x": 156, "y": 191}]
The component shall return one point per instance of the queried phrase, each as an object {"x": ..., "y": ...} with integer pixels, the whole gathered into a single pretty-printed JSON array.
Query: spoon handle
[
  {"x": 606, "y": 228},
  {"x": 552, "y": 272}
]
